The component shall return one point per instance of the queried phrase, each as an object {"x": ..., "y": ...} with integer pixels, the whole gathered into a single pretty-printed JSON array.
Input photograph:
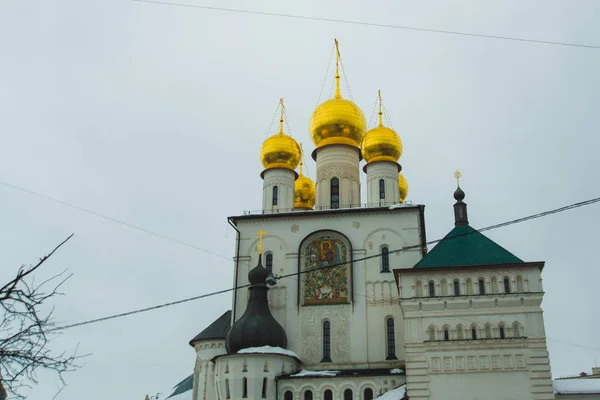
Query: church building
[{"x": 338, "y": 297}]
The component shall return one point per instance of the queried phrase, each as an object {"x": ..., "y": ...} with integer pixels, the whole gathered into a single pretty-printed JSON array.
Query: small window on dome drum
[
  {"x": 275, "y": 195},
  {"x": 335, "y": 193},
  {"x": 368, "y": 394},
  {"x": 348, "y": 394},
  {"x": 328, "y": 395},
  {"x": 381, "y": 189},
  {"x": 308, "y": 395},
  {"x": 288, "y": 395}
]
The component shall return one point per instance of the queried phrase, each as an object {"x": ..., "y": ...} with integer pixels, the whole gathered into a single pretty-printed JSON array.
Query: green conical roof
[{"x": 465, "y": 246}]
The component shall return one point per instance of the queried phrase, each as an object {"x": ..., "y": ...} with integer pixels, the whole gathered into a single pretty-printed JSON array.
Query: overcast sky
[{"x": 154, "y": 115}]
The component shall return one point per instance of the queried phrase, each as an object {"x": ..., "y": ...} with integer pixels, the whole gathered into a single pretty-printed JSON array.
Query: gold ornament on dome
[
  {"x": 381, "y": 143},
  {"x": 337, "y": 121},
  {"x": 280, "y": 150},
  {"x": 305, "y": 191},
  {"x": 402, "y": 187}
]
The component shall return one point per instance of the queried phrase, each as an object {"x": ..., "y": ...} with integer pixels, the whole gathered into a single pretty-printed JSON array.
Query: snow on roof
[
  {"x": 573, "y": 386},
  {"x": 396, "y": 371},
  {"x": 395, "y": 394},
  {"x": 268, "y": 350},
  {"x": 306, "y": 372}
]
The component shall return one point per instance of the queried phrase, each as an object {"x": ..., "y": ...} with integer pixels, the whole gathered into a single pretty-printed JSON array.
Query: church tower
[
  {"x": 381, "y": 149},
  {"x": 337, "y": 128},
  {"x": 280, "y": 155}
]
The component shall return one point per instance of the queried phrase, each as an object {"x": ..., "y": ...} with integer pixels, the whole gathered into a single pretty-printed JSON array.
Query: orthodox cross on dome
[
  {"x": 338, "y": 93},
  {"x": 457, "y": 175},
  {"x": 301, "y": 157},
  {"x": 260, "y": 234},
  {"x": 380, "y": 112},
  {"x": 281, "y": 115}
]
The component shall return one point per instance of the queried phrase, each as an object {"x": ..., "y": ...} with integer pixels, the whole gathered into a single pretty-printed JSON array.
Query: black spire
[
  {"x": 257, "y": 327},
  {"x": 460, "y": 209}
]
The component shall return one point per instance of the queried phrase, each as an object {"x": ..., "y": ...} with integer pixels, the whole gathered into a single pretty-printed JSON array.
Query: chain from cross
[{"x": 260, "y": 234}]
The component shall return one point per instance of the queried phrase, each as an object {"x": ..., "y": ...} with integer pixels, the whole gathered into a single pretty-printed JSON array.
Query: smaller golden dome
[
  {"x": 305, "y": 192},
  {"x": 403, "y": 187},
  {"x": 280, "y": 150},
  {"x": 381, "y": 143}
]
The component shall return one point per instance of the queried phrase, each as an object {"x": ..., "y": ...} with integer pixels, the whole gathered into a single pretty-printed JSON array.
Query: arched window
[
  {"x": 348, "y": 394},
  {"x": 520, "y": 288},
  {"x": 335, "y": 193},
  {"x": 275, "y": 195},
  {"x": 269, "y": 262},
  {"x": 326, "y": 342},
  {"x": 431, "y": 333},
  {"x": 446, "y": 334},
  {"x": 481, "y": 286},
  {"x": 381, "y": 189},
  {"x": 328, "y": 395},
  {"x": 308, "y": 395},
  {"x": 444, "y": 287},
  {"x": 288, "y": 395},
  {"x": 516, "y": 329},
  {"x": 391, "y": 340},
  {"x": 385, "y": 259},
  {"x": 506, "y": 285},
  {"x": 368, "y": 394},
  {"x": 469, "y": 286},
  {"x": 418, "y": 288},
  {"x": 473, "y": 332},
  {"x": 245, "y": 388},
  {"x": 456, "y": 287},
  {"x": 431, "y": 288},
  {"x": 227, "y": 395},
  {"x": 459, "y": 332},
  {"x": 501, "y": 331},
  {"x": 488, "y": 331}
]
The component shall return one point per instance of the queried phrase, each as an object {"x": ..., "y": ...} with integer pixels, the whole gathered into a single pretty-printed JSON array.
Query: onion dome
[
  {"x": 403, "y": 187},
  {"x": 305, "y": 192},
  {"x": 381, "y": 143},
  {"x": 337, "y": 121},
  {"x": 257, "y": 327},
  {"x": 460, "y": 207},
  {"x": 280, "y": 150}
]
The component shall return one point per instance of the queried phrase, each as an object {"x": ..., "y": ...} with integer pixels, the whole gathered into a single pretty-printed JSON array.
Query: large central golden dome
[
  {"x": 337, "y": 121},
  {"x": 280, "y": 150},
  {"x": 381, "y": 143}
]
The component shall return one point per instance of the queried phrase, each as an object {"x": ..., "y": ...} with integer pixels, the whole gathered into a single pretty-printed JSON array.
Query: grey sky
[{"x": 155, "y": 115}]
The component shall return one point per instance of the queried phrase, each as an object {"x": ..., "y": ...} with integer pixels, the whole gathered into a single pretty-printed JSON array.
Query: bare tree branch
[{"x": 26, "y": 330}]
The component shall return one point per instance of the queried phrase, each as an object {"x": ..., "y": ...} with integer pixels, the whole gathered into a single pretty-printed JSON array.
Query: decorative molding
[{"x": 477, "y": 363}]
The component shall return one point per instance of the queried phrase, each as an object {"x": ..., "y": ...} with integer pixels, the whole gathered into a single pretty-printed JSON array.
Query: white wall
[{"x": 358, "y": 329}]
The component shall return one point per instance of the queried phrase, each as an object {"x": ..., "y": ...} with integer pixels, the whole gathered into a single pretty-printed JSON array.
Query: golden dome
[
  {"x": 403, "y": 187},
  {"x": 280, "y": 150},
  {"x": 305, "y": 192},
  {"x": 337, "y": 121},
  {"x": 381, "y": 143}
]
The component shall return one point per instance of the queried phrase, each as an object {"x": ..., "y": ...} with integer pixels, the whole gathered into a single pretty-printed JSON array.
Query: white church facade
[{"x": 338, "y": 298}]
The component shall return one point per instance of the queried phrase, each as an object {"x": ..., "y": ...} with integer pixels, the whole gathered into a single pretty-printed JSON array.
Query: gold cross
[
  {"x": 260, "y": 240},
  {"x": 457, "y": 175}
]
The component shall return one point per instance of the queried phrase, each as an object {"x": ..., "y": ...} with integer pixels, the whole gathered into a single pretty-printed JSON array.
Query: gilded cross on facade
[
  {"x": 457, "y": 175},
  {"x": 260, "y": 234}
]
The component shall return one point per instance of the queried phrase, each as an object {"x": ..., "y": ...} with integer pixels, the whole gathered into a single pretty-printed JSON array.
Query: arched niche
[{"x": 318, "y": 284}]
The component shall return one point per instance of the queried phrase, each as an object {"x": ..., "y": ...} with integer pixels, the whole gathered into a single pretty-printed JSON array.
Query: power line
[
  {"x": 511, "y": 222},
  {"x": 379, "y": 25},
  {"x": 139, "y": 228}
]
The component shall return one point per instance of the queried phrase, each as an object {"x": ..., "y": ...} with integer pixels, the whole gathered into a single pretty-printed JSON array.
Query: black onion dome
[
  {"x": 459, "y": 195},
  {"x": 257, "y": 327}
]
